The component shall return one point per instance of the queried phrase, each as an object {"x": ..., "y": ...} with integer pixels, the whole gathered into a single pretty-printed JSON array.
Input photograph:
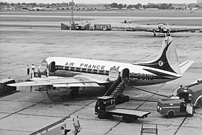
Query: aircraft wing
[
  {"x": 145, "y": 29},
  {"x": 76, "y": 81},
  {"x": 182, "y": 30}
]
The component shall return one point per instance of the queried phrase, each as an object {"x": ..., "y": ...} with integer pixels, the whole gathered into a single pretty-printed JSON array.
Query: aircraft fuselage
[{"x": 99, "y": 70}]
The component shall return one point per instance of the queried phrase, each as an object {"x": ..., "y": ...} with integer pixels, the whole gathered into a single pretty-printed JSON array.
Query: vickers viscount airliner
[{"x": 74, "y": 73}]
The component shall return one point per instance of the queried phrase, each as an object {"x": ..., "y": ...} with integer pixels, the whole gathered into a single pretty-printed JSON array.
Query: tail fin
[{"x": 167, "y": 59}]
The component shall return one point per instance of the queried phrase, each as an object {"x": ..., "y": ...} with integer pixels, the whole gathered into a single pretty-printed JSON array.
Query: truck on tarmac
[
  {"x": 184, "y": 102},
  {"x": 105, "y": 108},
  {"x": 173, "y": 107},
  {"x": 191, "y": 93},
  {"x": 105, "y": 105}
]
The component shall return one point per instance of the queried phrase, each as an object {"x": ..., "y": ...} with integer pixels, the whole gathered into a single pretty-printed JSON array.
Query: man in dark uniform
[{"x": 28, "y": 69}]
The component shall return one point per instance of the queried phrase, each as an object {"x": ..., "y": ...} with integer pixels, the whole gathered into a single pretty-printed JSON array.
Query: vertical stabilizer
[{"x": 167, "y": 59}]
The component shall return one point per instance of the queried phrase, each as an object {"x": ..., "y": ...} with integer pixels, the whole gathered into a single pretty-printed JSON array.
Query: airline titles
[{"x": 84, "y": 65}]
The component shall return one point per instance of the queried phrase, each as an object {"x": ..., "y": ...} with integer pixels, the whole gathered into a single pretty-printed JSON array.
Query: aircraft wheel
[
  {"x": 155, "y": 34},
  {"x": 126, "y": 98},
  {"x": 101, "y": 115},
  {"x": 199, "y": 103},
  {"x": 170, "y": 114},
  {"x": 168, "y": 34}
]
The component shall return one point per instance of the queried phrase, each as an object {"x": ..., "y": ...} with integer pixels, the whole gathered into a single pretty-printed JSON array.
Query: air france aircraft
[
  {"x": 76, "y": 73},
  {"x": 163, "y": 28}
]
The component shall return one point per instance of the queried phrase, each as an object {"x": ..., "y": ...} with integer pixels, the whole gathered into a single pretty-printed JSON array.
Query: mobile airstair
[
  {"x": 106, "y": 105},
  {"x": 117, "y": 88}
]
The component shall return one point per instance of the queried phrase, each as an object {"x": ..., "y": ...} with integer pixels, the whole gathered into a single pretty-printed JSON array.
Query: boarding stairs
[
  {"x": 113, "y": 87},
  {"x": 117, "y": 88}
]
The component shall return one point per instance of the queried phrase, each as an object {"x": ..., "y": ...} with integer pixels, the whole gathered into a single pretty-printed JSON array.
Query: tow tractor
[
  {"x": 105, "y": 105},
  {"x": 184, "y": 102}
]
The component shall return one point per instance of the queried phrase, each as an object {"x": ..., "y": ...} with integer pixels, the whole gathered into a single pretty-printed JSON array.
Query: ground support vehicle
[
  {"x": 105, "y": 105},
  {"x": 187, "y": 98},
  {"x": 105, "y": 108},
  {"x": 172, "y": 107},
  {"x": 116, "y": 91},
  {"x": 191, "y": 93},
  {"x": 4, "y": 88}
]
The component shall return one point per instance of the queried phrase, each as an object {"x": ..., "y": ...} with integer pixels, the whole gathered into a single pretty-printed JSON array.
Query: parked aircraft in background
[
  {"x": 163, "y": 28},
  {"x": 48, "y": 8},
  {"x": 74, "y": 73}
]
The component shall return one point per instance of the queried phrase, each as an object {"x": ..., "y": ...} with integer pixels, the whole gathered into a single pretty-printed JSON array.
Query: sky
[{"x": 102, "y": 1}]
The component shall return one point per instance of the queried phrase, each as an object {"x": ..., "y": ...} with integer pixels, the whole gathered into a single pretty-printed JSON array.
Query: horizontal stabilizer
[{"x": 185, "y": 65}]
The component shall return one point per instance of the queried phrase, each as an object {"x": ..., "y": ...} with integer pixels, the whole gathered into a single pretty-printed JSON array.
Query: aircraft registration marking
[{"x": 142, "y": 76}]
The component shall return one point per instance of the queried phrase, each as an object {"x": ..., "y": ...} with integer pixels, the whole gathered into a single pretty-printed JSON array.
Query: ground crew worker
[
  {"x": 33, "y": 69},
  {"x": 28, "y": 69}
]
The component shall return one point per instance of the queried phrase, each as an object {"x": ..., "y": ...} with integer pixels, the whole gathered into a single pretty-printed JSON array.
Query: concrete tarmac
[{"x": 24, "y": 112}]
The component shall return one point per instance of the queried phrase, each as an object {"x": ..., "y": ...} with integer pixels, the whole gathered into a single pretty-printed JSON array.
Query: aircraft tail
[{"x": 167, "y": 59}]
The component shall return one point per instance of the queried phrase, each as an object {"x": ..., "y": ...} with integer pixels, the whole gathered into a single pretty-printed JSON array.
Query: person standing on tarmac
[
  {"x": 33, "y": 70},
  {"x": 28, "y": 69}
]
